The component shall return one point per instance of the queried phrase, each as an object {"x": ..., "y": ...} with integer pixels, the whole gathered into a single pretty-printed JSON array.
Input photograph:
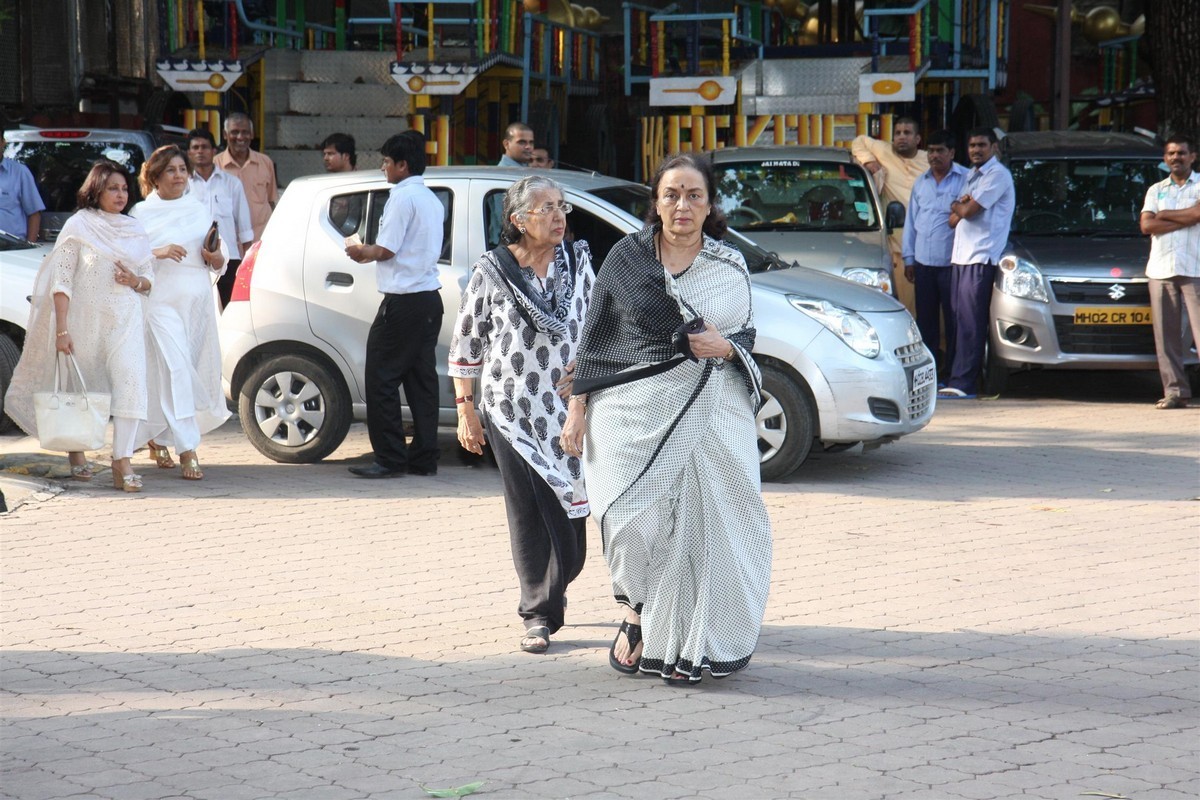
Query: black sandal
[
  {"x": 633, "y": 635},
  {"x": 536, "y": 632},
  {"x": 678, "y": 678}
]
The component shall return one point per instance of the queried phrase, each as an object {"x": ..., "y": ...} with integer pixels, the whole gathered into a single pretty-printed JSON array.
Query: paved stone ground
[{"x": 1002, "y": 606}]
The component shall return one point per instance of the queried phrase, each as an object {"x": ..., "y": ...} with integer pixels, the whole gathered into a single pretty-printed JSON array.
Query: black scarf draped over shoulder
[{"x": 627, "y": 332}]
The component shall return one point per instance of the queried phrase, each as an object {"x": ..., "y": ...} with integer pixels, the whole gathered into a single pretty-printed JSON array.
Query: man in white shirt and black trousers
[{"x": 400, "y": 346}]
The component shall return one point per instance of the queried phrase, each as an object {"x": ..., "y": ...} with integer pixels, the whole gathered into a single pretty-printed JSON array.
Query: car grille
[
  {"x": 919, "y": 401},
  {"x": 910, "y": 354},
  {"x": 1097, "y": 293},
  {"x": 1118, "y": 340}
]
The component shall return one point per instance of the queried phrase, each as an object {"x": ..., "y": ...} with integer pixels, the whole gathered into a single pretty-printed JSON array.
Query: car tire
[
  {"x": 785, "y": 425},
  {"x": 10, "y": 354},
  {"x": 995, "y": 373},
  {"x": 294, "y": 409}
]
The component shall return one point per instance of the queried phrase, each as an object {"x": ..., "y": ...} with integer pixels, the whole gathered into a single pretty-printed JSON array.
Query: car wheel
[
  {"x": 995, "y": 373},
  {"x": 10, "y": 354},
  {"x": 785, "y": 426},
  {"x": 294, "y": 409}
]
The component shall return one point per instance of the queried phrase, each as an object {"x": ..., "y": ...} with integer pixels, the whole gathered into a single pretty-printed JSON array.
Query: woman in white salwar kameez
[
  {"x": 183, "y": 350},
  {"x": 665, "y": 378},
  {"x": 87, "y": 301}
]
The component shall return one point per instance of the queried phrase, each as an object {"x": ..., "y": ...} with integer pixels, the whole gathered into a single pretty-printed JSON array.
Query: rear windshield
[
  {"x": 633, "y": 200},
  {"x": 791, "y": 195},
  {"x": 59, "y": 168},
  {"x": 1073, "y": 196}
]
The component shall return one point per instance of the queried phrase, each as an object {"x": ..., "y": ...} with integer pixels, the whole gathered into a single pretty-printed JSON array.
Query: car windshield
[
  {"x": 1081, "y": 196},
  {"x": 792, "y": 195},
  {"x": 60, "y": 167}
]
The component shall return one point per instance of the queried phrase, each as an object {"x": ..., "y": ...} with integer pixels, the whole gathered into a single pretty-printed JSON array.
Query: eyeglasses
[
  {"x": 550, "y": 208},
  {"x": 694, "y": 199}
]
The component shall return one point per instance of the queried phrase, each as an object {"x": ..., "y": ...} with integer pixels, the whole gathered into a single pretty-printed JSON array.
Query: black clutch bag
[
  {"x": 212, "y": 239},
  {"x": 680, "y": 337}
]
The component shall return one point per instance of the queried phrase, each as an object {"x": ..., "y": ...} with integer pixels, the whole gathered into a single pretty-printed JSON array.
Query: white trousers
[{"x": 124, "y": 436}]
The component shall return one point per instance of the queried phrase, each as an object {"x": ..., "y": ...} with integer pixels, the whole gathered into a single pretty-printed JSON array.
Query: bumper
[
  {"x": 236, "y": 342},
  {"x": 1031, "y": 333}
]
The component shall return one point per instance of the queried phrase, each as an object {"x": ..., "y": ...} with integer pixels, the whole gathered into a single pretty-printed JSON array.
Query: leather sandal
[
  {"x": 679, "y": 679},
  {"x": 160, "y": 454},
  {"x": 536, "y": 639},
  {"x": 1172, "y": 401},
  {"x": 190, "y": 467},
  {"x": 633, "y": 635}
]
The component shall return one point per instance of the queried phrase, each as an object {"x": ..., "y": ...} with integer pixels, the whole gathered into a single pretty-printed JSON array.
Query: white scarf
[{"x": 116, "y": 237}]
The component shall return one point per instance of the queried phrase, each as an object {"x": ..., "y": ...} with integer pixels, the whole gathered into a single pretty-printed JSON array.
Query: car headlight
[
  {"x": 875, "y": 278},
  {"x": 849, "y": 326},
  {"x": 1019, "y": 278}
]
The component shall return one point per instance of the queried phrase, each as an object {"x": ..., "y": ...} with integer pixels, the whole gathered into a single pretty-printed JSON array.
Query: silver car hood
[
  {"x": 1084, "y": 257},
  {"x": 831, "y": 251},
  {"x": 811, "y": 283}
]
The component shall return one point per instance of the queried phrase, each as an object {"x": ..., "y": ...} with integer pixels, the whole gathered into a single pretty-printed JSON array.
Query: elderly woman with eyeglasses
[
  {"x": 516, "y": 331},
  {"x": 665, "y": 395}
]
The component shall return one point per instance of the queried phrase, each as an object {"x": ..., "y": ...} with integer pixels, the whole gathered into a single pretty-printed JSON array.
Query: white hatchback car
[
  {"x": 841, "y": 363},
  {"x": 19, "y": 262}
]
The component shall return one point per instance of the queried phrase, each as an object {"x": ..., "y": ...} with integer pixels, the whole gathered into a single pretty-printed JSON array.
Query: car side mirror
[{"x": 894, "y": 216}]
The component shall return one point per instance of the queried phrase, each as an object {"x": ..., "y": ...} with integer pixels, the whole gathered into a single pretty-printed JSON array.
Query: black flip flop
[
  {"x": 633, "y": 635},
  {"x": 536, "y": 632}
]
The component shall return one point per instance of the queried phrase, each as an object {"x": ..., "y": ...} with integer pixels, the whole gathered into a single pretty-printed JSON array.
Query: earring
[{"x": 521, "y": 229}]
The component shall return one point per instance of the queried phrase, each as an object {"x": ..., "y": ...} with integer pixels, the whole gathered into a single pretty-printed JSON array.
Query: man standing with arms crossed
[
  {"x": 927, "y": 243},
  {"x": 1171, "y": 217},
  {"x": 257, "y": 174},
  {"x": 895, "y": 167},
  {"x": 400, "y": 346},
  {"x": 981, "y": 218}
]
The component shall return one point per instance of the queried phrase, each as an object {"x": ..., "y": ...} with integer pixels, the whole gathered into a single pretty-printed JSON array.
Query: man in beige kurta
[{"x": 895, "y": 167}]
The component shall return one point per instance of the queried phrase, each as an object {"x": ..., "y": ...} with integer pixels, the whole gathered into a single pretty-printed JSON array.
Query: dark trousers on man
[
  {"x": 1168, "y": 299},
  {"x": 548, "y": 548},
  {"x": 400, "y": 352},
  {"x": 931, "y": 287},
  {"x": 971, "y": 297}
]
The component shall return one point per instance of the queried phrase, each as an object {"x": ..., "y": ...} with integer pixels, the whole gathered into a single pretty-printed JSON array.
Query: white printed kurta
[
  {"x": 518, "y": 367},
  {"x": 104, "y": 317}
]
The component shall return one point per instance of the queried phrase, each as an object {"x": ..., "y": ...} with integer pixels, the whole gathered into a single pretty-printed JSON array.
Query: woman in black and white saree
[
  {"x": 517, "y": 329},
  {"x": 663, "y": 414}
]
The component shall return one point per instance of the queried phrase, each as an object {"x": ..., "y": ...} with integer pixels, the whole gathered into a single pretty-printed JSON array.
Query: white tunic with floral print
[{"x": 517, "y": 334}]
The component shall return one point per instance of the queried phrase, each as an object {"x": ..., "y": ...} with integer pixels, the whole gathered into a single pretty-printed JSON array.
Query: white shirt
[
  {"x": 223, "y": 196},
  {"x": 982, "y": 238},
  {"x": 411, "y": 227},
  {"x": 1176, "y": 253}
]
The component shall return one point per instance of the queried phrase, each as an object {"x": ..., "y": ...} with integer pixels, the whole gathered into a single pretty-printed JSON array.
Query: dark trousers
[
  {"x": 400, "y": 352},
  {"x": 548, "y": 548},
  {"x": 226, "y": 281},
  {"x": 931, "y": 287},
  {"x": 1168, "y": 299},
  {"x": 971, "y": 298}
]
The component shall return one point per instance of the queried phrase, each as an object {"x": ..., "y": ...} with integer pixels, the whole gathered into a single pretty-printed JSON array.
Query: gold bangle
[{"x": 62, "y": 334}]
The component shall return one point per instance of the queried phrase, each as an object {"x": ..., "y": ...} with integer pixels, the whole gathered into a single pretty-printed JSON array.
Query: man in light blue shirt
[
  {"x": 401, "y": 343},
  {"x": 21, "y": 205},
  {"x": 927, "y": 242},
  {"x": 981, "y": 219}
]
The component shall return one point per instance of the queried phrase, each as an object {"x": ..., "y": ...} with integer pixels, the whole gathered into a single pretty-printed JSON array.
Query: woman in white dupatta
[
  {"x": 183, "y": 350},
  {"x": 87, "y": 301},
  {"x": 669, "y": 388}
]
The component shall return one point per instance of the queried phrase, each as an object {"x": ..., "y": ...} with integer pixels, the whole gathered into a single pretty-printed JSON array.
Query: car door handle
[{"x": 339, "y": 279}]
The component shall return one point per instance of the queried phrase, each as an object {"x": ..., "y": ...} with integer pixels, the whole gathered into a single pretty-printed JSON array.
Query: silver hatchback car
[{"x": 841, "y": 363}]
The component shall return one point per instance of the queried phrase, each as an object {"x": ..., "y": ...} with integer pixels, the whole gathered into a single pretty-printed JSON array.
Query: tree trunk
[{"x": 1173, "y": 39}]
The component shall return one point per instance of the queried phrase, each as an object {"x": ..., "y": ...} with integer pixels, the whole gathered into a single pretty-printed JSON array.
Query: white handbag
[{"x": 71, "y": 421}]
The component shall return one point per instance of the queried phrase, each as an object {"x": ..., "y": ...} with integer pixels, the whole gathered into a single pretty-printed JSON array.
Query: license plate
[
  {"x": 1112, "y": 315},
  {"x": 923, "y": 377}
]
